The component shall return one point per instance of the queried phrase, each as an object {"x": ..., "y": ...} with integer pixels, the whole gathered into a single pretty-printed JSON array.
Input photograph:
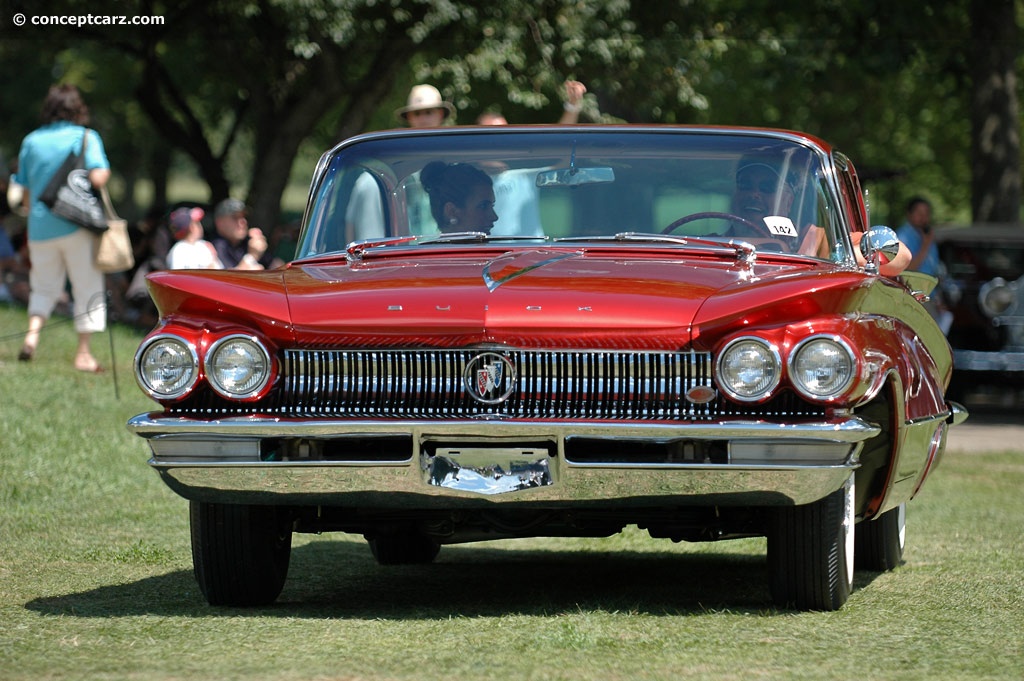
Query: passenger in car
[
  {"x": 461, "y": 197},
  {"x": 515, "y": 190}
]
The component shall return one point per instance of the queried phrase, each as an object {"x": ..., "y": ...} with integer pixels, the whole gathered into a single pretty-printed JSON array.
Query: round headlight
[
  {"x": 237, "y": 366},
  {"x": 166, "y": 367},
  {"x": 748, "y": 369},
  {"x": 997, "y": 297},
  {"x": 822, "y": 367}
]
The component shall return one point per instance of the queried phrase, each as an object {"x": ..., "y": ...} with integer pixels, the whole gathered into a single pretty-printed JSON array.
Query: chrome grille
[{"x": 547, "y": 384}]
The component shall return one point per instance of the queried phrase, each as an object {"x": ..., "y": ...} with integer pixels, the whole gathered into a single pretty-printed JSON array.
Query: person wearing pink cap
[{"x": 192, "y": 251}]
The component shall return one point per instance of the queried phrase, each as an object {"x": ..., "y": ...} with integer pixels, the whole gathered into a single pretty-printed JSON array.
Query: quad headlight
[
  {"x": 237, "y": 366},
  {"x": 166, "y": 367},
  {"x": 748, "y": 369},
  {"x": 822, "y": 367}
]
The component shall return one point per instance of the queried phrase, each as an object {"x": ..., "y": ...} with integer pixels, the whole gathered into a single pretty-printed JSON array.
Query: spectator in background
[
  {"x": 152, "y": 243},
  {"x": 60, "y": 250},
  {"x": 8, "y": 263},
  {"x": 239, "y": 246},
  {"x": 573, "y": 104},
  {"x": 425, "y": 108},
  {"x": 515, "y": 191},
  {"x": 8, "y": 254},
  {"x": 571, "y": 107},
  {"x": 917, "y": 233},
  {"x": 191, "y": 251}
]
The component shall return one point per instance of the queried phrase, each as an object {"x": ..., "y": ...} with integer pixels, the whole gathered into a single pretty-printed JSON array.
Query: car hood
[{"x": 525, "y": 298}]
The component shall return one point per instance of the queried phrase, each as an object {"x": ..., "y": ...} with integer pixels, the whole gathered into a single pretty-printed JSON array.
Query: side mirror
[{"x": 879, "y": 240}]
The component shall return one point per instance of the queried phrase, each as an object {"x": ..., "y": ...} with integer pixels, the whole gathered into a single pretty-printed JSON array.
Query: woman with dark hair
[
  {"x": 461, "y": 197},
  {"x": 61, "y": 251}
]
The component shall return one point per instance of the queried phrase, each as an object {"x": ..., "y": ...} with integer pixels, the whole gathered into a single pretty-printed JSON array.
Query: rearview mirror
[{"x": 573, "y": 177}]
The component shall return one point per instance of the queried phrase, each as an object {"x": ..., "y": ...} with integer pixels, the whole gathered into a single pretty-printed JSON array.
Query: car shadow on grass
[{"x": 341, "y": 580}]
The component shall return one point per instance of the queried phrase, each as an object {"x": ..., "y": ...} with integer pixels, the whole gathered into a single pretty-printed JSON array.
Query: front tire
[
  {"x": 880, "y": 542},
  {"x": 240, "y": 554},
  {"x": 810, "y": 552}
]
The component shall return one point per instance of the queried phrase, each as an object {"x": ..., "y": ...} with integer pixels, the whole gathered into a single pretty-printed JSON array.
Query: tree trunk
[
  {"x": 282, "y": 129},
  {"x": 995, "y": 125}
]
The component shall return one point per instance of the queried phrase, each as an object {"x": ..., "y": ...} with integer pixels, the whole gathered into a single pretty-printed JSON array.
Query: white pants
[{"x": 54, "y": 261}]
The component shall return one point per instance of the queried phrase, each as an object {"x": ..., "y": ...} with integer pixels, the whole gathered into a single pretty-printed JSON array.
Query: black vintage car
[{"x": 983, "y": 287}]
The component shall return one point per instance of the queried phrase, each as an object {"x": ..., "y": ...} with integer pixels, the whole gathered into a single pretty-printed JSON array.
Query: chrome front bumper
[{"x": 474, "y": 463}]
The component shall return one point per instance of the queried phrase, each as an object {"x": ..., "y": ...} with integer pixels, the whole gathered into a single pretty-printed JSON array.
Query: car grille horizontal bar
[{"x": 544, "y": 384}]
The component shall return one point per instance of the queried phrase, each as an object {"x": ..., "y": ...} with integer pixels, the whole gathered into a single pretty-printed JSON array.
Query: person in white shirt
[
  {"x": 192, "y": 251},
  {"x": 515, "y": 191}
]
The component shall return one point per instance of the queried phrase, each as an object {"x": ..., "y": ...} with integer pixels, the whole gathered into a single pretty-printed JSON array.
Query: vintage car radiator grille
[
  {"x": 431, "y": 384},
  {"x": 545, "y": 384}
]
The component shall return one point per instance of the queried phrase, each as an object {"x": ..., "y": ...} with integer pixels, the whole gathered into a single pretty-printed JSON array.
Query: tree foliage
[{"x": 241, "y": 87}]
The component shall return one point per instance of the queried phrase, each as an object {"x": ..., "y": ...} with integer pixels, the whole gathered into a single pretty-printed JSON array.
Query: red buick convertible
[{"x": 557, "y": 331}]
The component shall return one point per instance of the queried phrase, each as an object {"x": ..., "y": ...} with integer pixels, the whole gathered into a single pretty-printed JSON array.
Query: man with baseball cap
[
  {"x": 191, "y": 251},
  {"x": 239, "y": 246}
]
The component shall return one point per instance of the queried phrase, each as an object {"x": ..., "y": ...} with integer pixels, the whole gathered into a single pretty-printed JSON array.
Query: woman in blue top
[{"x": 59, "y": 250}]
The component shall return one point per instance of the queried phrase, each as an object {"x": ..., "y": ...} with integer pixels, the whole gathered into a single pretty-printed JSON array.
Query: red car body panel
[{"x": 580, "y": 299}]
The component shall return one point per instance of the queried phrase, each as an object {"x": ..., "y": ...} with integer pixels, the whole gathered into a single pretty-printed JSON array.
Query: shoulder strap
[{"x": 108, "y": 206}]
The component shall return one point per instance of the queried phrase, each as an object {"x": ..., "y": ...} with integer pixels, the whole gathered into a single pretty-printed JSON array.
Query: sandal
[
  {"x": 26, "y": 354},
  {"x": 92, "y": 367}
]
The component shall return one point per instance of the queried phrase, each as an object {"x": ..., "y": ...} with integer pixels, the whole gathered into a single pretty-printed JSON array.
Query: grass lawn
[{"x": 96, "y": 582}]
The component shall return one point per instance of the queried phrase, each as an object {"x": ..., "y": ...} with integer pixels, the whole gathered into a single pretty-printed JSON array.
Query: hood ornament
[{"x": 493, "y": 284}]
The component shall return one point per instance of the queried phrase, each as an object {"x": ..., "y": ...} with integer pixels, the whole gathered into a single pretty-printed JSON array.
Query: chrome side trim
[{"x": 957, "y": 413}]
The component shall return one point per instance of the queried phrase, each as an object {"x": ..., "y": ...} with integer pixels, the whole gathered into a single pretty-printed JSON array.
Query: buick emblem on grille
[{"x": 490, "y": 378}]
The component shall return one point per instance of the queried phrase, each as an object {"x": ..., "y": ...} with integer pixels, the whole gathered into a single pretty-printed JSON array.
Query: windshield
[{"x": 575, "y": 185}]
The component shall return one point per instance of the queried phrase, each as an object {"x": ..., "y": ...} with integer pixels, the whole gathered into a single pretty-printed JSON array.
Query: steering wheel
[{"x": 762, "y": 230}]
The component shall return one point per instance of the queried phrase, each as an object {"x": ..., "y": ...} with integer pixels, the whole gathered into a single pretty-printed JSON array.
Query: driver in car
[{"x": 763, "y": 197}]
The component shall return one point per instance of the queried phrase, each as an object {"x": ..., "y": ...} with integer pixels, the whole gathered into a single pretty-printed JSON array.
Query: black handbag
[{"x": 70, "y": 195}]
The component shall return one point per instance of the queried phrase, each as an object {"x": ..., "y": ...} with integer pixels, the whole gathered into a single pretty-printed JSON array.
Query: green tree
[{"x": 239, "y": 86}]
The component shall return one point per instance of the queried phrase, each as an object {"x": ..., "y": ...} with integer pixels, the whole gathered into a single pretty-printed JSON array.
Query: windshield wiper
[
  {"x": 482, "y": 237},
  {"x": 745, "y": 251},
  {"x": 356, "y": 249}
]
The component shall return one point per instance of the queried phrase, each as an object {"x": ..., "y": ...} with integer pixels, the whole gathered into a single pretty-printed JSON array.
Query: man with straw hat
[{"x": 425, "y": 108}]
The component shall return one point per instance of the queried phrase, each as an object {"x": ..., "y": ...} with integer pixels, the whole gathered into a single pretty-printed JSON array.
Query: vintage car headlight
[
  {"x": 748, "y": 369},
  {"x": 822, "y": 367},
  {"x": 237, "y": 366},
  {"x": 166, "y": 367},
  {"x": 997, "y": 297}
]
